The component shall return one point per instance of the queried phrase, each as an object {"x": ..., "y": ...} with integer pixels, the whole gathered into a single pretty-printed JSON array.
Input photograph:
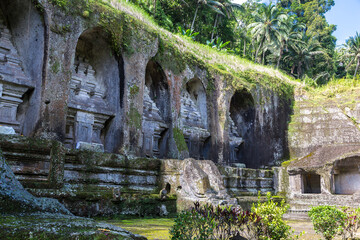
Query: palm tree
[
  {"x": 228, "y": 7},
  {"x": 353, "y": 49},
  {"x": 267, "y": 25},
  {"x": 214, "y": 5},
  {"x": 303, "y": 55},
  {"x": 289, "y": 34}
]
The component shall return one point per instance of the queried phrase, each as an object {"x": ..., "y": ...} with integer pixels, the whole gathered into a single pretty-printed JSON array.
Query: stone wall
[{"x": 90, "y": 183}]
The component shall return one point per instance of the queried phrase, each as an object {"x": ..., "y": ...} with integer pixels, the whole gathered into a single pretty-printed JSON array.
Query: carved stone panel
[
  {"x": 84, "y": 127},
  {"x": 153, "y": 126},
  {"x": 194, "y": 129},
  {"x": 13, "y": 81},
  {"x": 88, "y": 109},
  {"x": 235, "y": 141}
]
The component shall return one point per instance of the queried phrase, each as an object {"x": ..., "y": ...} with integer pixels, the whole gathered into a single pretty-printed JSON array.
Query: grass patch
[{"x": 152, "y": 228}]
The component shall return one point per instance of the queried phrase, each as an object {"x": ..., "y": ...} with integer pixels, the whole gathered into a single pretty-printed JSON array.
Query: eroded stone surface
[
  {"x": 13, "y": 81},
  {"x": 194, "y": 119}
]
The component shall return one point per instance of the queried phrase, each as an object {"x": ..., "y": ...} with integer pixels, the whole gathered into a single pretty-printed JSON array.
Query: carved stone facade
[
  {"x": 88, "y": 111},
  {"x": 156, "y": 119},
  {"x": 154, "y": 125},
  {"x": 235, "y": 141},
  {"x": 13, "y": 81},
  {"x": 194, "y": 128}
]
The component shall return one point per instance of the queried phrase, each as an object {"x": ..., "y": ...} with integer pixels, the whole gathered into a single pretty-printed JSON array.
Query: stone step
[
  {"x": 248, "y": 183},
  {"x": 21, "y": 156},
  {"x": 250, "y": 191}
]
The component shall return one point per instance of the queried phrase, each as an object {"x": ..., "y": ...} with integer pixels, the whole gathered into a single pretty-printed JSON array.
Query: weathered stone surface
[
  {"x": 15, "y": 199},
  {"x": 7, "y": 130},
  {"x": 247, "y": 182},
  {"x": 13, "y": 81},
  {"x": 95, "y": 147},
  {"x": 194, "y": 181}
]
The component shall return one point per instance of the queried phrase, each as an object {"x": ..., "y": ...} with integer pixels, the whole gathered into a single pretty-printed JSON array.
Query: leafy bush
[
  {"x": 272, "y": 225},
  {"x": 351, "y": 222},
  {"x": 188, "y": 33},
  {"x": 208, "y": 222},
  {"x": 327, "y": 220}
]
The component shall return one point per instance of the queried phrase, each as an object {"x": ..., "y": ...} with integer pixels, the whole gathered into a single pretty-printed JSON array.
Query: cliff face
[
  {"x": 102, "y": 77},
  {"x": 325, "y": 118}
]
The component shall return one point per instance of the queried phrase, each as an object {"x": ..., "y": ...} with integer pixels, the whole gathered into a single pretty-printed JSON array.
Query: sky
[{"x": 345, "y": 14}]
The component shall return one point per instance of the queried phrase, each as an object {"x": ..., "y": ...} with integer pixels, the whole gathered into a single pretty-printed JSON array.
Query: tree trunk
[
  {"x": 278, "y": 62},
  {"x": 357, "y": 66},
  {"x": 193, "y": 22},
  {"x": 299, "y": 70},
  {"x": 215, "y": 25},
  {"x": 155, "y": 1},
  {"x": 244, "y": 51},
  {"x": 257, "y": 50},
  {"x": 263, "y": 58},
  {"x": 292, "y": 69}
]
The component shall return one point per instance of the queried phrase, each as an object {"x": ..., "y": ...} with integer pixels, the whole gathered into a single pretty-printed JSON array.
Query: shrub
[
  {"x": 208, "y": 222},
  {"x": 272, "y": 225},
  {"x": 351, "y": 222},
  {"x": 327, "y": 220}
]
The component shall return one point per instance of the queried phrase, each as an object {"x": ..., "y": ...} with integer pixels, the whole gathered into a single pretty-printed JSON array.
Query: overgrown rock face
[
  {"x": 101, "y": 88},
  {"x": 257, "y": 128},
  {"x": 320, "y": 123}
]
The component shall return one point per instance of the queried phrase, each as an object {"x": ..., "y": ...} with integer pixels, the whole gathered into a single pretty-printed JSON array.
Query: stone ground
[{"x": 159, "y": 228}]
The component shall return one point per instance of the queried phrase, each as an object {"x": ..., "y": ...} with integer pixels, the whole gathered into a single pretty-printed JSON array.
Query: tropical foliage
[{"x": 291, "y": 35}]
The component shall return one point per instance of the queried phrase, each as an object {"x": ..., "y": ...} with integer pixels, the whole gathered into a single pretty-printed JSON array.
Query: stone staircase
[
  {"x": 29, "y": 160},
  {"x": 247, "y": 182}
]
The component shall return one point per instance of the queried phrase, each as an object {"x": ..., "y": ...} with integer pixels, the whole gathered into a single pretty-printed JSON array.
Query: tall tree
[
  {"x": 266, "y": 26},
  {"x": 302, "y": 56},
  {"x": 290, "y": 34},
  {"x": 214, "y": 5},
  {"x": 353, "y": 50}
]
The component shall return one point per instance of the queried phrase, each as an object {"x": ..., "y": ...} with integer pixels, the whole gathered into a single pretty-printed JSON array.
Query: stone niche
[
  {"x": 347, "y": 176},
  {"x": 92, "y": 101},
  {"x": 311, "y": 183},
  {"x": 240, "y": 125},
  {"x": 15, "y": 86},
  {"x": 194, "y": 119},
  {"x": 156, "y": 121}
]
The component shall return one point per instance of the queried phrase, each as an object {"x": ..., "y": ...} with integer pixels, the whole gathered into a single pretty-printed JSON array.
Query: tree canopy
[{"x": 292, "y": 35}]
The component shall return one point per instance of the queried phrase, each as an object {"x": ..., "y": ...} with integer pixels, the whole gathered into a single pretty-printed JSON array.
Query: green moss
[
  {"x": 286, "y": 163},
  {"x": 134, "y": 90},
  {"x": 179, "y": 140},
  {"x": 55, "y": 67},
  {"x": 60, "y": 29},
  {"x": 134, "y": 118}
]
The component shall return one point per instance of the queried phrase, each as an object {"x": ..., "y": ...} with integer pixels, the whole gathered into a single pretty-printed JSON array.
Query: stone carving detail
[
  {"x": 154, "y": 126},
  {"x": 194, "y": 129},
  {"x": 83, "y": 82},
  {"x": 88, "y": 110},
  {"x": 13, "y": 81},
  {"x": 235, "y": 141}
]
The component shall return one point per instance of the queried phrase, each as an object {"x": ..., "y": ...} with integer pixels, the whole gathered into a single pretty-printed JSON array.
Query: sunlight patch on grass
[{"x": 154, "y": 228}]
